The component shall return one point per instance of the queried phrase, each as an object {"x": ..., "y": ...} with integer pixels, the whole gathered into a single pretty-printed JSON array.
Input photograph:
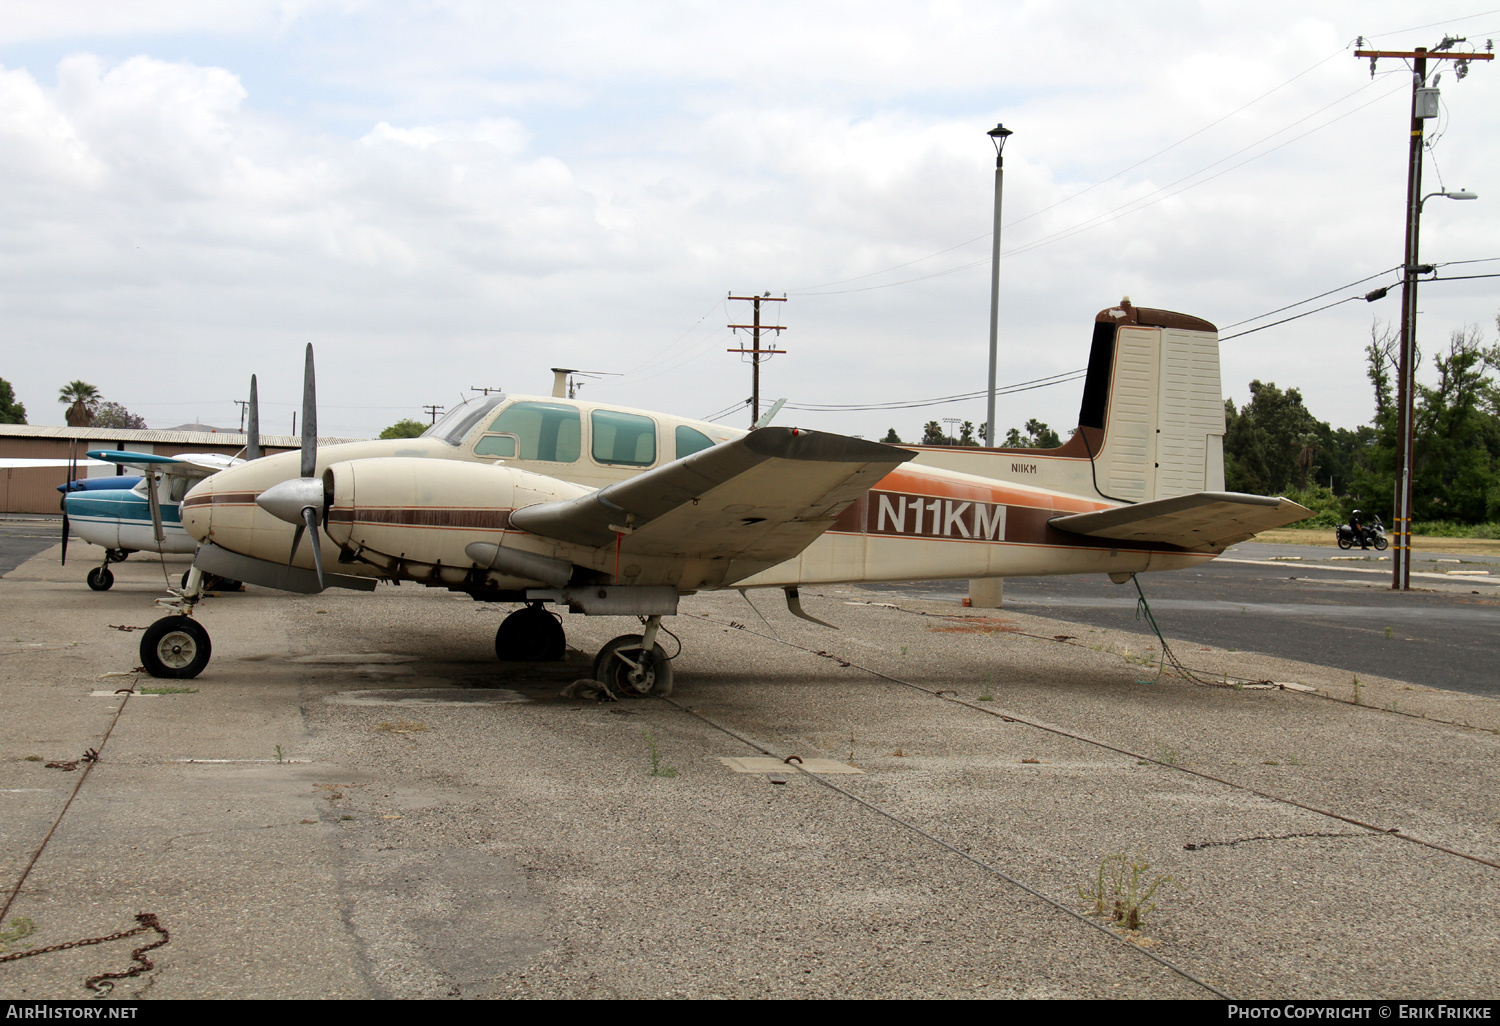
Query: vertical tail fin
[{"x": 1153, "y": 409}]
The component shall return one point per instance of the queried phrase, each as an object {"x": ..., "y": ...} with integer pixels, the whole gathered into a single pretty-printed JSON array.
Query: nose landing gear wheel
[
  {"x": 175, "y": 647},
  {"x": 100, "y": 579},
  {"x": 630, "y": 670},
  {"x": 530, "y": 635}
]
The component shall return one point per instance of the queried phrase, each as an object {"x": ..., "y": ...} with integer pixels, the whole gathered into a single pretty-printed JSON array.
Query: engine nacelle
[{"x": 416, "y": 517}]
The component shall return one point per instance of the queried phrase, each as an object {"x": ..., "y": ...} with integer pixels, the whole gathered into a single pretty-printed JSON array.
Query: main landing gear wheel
[
  {"x": 530, "y": 635},
  {"x": 100, "y": 579},
  {"x": 1381, "y": 543},
  {"x": 1345, "y": 542},
  {"x": 175, "y": 647},
  {"x": 632, "y": 671}
]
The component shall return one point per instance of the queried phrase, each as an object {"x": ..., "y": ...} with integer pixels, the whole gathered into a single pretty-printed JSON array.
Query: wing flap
[
  {"x": 1202, "y": 520},
  {"x": 766, "y": 496}
]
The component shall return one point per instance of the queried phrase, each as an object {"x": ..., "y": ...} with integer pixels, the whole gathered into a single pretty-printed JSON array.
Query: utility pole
[
  {"x": 434, "y": 411},
  {"x": 755, "y": 351},
  {"x": 1424, "y": 101}
]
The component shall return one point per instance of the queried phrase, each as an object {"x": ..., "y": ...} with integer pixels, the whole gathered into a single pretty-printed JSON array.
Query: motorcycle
[{"x": 1372, "y": 534}]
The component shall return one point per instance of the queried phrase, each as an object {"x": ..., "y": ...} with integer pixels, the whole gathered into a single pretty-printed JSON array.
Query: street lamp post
[{"x": 998, "y": 135}]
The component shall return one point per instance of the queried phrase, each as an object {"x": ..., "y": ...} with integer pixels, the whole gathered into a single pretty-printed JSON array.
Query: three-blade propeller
[{"x": 300, "y": 501}]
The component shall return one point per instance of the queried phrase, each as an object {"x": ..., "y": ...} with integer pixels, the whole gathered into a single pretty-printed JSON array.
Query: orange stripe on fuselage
[{"x": 998, "y": 492}]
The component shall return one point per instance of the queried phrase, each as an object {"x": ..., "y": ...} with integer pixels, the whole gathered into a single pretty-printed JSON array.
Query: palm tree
[
  {"x": 79, "y": 391},
  {"x": 82, "y": 399}
]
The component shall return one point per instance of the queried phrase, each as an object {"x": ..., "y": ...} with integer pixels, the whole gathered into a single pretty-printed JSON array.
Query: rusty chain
[{"x": 100, "y": 983}]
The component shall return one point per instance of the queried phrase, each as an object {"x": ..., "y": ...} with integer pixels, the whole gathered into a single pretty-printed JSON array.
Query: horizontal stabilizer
[
  {"x": 1202, "y": 520},
  {"x": 764, "y": 497}
]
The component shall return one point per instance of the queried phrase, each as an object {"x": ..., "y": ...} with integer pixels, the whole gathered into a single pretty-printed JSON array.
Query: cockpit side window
[
  {"x": 690, "y": 440},
  {"x": 459, "y": 421},
  {"x": 550, "y": 432},
  {"x": 625, "y": 439}
]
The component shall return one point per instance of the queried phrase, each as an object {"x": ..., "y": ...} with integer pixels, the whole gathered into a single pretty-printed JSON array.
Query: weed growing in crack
[
  {"x": 19, "y": 928},
  {"x": 988, "y": 694},
  {"x": 658, "y": 768},
  {"x": 1120, "y": 891}
]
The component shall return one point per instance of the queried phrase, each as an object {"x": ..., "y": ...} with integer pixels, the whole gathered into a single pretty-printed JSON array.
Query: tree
[
  {"x": 11, "y": 412},
  {"x": 932, "y": 434},
  {"x": 966, "y": 434},
  {"x": 406, "y": 428},
  {"x": 1272, "y": 444},
  {"x": 81, "y": 399},
  {"x": 891, "y": 438},
  {"x": 113, "y": 415},
  {"x": 1038, "y": 436}
]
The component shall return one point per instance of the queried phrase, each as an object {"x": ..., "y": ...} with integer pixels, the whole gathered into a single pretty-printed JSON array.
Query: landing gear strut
[
  {"x": 177, "y": 646},
  {"x": 634, "y": 665},
  {"x": 530, "y": 635},
  {"x": 100, "y": 578}
]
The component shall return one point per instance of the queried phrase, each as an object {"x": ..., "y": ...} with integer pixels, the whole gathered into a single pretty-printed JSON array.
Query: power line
[
  {"x": 1024, "y": 386},
  {"x": 1309, "y": 299}
]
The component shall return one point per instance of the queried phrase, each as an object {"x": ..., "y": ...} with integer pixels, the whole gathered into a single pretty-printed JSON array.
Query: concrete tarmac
[{"x": 356, "y": 800}]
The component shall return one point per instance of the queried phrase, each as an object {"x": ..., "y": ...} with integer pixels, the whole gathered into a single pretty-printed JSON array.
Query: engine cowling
[{"x": 416, "y": 517}]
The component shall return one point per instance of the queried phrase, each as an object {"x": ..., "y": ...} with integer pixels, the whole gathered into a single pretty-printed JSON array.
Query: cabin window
[
  {"x": 690, "y": 441},
  {"x": 627, "y": 439},
  {"x": 550, "y": 432}
]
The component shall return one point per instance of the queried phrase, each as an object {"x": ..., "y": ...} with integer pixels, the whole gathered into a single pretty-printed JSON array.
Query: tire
[
  {"x": 1381, "y": 543},
  {"x": 175, "y": 647},
  {"x": 100, "y": 579},
  {"x": 530, "y": 635},
  {"x": 183, "y": 582},
  {"x": 1346, "y": 542},
  {"x": 654, "y": 678}
]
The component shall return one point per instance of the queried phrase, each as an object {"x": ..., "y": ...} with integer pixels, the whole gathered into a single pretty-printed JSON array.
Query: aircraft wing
[
  {"x": 1202, "y": 520},
  {"x": 763, "y": 498},
  {"x": 29, "y": 463},
  {"x": 192, "y": 465}
]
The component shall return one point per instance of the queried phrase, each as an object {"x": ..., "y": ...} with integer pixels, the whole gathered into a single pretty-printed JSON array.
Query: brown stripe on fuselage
[
  {"x": 420, "y": 516},
  {"x": 221, "y": 499}
]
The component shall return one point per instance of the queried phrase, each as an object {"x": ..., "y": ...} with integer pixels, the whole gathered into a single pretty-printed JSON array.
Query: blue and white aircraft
[
  {"x": 122, "y": 520},
  {"x": 145, "y": 517}
]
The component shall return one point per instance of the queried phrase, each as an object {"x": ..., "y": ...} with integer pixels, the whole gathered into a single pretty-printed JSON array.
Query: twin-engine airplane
[{"x": 613, "y": 511}]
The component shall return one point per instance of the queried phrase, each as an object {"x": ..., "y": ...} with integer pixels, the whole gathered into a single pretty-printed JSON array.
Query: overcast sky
[{"x": 450, "y": 195}]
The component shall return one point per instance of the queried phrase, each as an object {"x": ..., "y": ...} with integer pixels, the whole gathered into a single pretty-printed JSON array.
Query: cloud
[{"x": 432, "y": 192}]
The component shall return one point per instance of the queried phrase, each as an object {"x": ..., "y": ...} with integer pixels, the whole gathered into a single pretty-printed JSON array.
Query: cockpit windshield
[{"x": 456, "y": 424}]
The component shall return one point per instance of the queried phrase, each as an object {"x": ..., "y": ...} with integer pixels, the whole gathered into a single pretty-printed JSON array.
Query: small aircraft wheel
[
  {"x": 183, "y": 582},
  {"x": 100, "y": 579},
  {"x": 530, "y": 635},
  {"x": 1381, "y": 543},
  {"x": 1345, "y": 542},
  {"x": 176, "y": 647},
  {"x": 628, "y": 669}
]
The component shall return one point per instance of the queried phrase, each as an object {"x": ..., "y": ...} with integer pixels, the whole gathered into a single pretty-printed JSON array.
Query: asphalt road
[
  {"x": 20, "y": 540},
  {"x": 1280, "y": 601}
]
